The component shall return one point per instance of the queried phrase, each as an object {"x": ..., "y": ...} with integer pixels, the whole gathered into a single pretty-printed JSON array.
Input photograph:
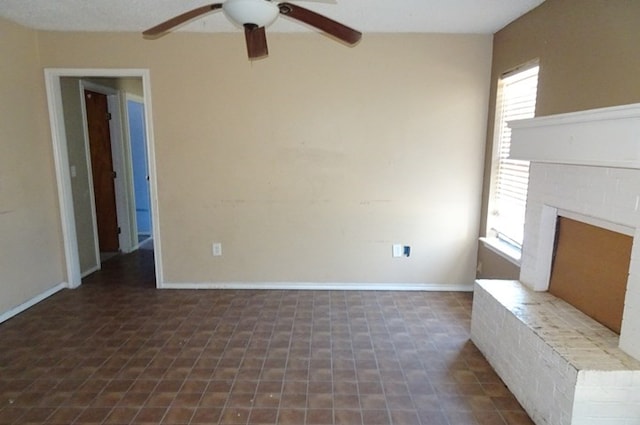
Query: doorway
[
  {"x": 69, "y": 169},
  {"x": 103, "y": 174},
  {"x": 139, "y": 161}
]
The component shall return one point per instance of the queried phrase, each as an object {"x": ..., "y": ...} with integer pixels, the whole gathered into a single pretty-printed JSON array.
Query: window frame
[{"x": 497, "y": 239}]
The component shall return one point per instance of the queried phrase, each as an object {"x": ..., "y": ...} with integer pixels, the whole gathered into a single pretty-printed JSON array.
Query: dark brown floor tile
[
  {"x": 507, "y": 402},
  {"x": 133, "y": 399},
  {"x": 495, "y": 389},
  {"x": 214, "y": 399},
  {"x": 348, "y": 417},
  {"x": 320, "y": 387},
  {"x": 376, "y": 417},
  {"x": 263, "y": 416},
  {"x": 206, "y": 415},
  {"x": 232, "y": 415},
  {"x": 516, "y": 418},
  {"x": 370, "y": 387},
  {"x": 489, "y": 418},
  {"x": 404, "y": 417},
  {"x": 108, "y": 399},
  {"x": 150, "y": 415},
  {"x": 291, "y": 416},
  {"x": 288, "y": 357},
  {"x": 244, "y": 387},
  {"x": 432, "y": 417},
  {"x": 160, "y": 399},
  {"x": 294, "y": 387},
  {"x": 320, "y": 401},
  {"x": 267, "y": 400},
  {"x": 65, "y": 415},
  {"x": 93, "y": 415},
  {"x": 373, "y": 401},
  {"x": 269, "y": 387},
  {"x": 178, "y": 415},
  {"x": 121, "y": 415},
  {"x": 293, "y": 400},
  {"x": 185, "y": 399},
  {"x": 319, "y": 416},
  {"x": 399, "y": 402},
  {"x": 481, "y": 403},
  {"x": 36, "y": 414},
  {"x": 461, "y": 418},
  {"x": 346, "y": 401},
  {"x": 241, "y": 400}
]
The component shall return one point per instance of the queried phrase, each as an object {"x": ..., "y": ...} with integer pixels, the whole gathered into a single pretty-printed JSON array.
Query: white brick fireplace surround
[{"x": 564, "y": 367}]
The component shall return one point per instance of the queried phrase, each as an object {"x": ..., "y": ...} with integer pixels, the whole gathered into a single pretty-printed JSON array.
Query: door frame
[
  {"x": 61, "y": 161},
  {"x": 118, "y": 155},
  {"x": 134, "y": 218}
]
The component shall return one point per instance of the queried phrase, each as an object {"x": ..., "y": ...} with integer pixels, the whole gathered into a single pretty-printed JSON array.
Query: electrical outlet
[
  {"x": 217, "y": 249},
  {"x": 397, "y": 250}
]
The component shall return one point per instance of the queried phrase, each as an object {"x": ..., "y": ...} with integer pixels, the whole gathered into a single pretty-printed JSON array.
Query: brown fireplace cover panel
[{"x": 590, "y": 270}]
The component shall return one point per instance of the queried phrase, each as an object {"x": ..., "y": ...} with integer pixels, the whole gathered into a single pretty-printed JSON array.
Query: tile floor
[{"x": 117, "y": 351}]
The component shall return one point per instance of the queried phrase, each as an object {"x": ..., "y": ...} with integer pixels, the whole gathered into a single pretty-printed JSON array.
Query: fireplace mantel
[
  {"x": 606, "y": 137},
  {"x": 586, "y": 166}
]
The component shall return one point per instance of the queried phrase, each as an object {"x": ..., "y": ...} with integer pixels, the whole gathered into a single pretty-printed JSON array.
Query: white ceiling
[{"x": 426, "y": 16}]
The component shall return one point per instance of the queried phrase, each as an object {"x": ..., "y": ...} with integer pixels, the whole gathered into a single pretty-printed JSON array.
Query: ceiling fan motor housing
[{"x": 261, "y": 13}]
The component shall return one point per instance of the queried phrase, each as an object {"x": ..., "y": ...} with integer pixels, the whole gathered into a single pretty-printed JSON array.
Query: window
[{"x": 515, "y": 100}]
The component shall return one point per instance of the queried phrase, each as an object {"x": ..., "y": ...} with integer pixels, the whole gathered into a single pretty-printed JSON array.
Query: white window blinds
[{"x": 516, "y": 100}]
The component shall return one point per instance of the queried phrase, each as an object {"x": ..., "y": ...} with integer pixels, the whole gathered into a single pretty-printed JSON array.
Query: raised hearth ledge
[
  {"x": 582, "y": 341},
  {"x": 563, "y": 367},
  {"x": 605, "y": 137}
]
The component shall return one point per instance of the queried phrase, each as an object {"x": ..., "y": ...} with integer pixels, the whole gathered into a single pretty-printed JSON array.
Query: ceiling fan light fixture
[{"x": 261, "y": 13}]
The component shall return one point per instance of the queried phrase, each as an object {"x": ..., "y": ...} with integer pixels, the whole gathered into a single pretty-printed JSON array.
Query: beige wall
[
  {"x": 589, "y": 58},
  {"x": 31, "y": 259},
  {"x": 308, "y": 165},
  {"x": 131, "y": 85}
]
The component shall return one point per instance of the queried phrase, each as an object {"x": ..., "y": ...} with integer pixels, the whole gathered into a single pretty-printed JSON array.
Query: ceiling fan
[{"x": 255, "y": 15}]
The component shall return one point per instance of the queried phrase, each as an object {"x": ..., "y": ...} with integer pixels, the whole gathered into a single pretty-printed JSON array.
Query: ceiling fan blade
[
  {"x": 331, "y": 27},
  {"x": 256, "y": 38},
  {"x": 180, "y": 19}
]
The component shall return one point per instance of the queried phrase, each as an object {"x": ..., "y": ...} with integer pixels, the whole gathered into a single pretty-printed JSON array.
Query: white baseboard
[
  {"x": 31, "y": 302},
  {"x": 91, "y": 270},
  {"x": 316, "y": 286}
]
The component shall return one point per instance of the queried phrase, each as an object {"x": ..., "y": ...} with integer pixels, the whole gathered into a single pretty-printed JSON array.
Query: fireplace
[
  {"x": 585, "y": 163},
  {"x": 564, "y": 367},
  {"x": 598, "y": 258}
]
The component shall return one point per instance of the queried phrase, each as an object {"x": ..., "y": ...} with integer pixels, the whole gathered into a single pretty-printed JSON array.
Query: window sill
[{"x": 503, "y": 249}]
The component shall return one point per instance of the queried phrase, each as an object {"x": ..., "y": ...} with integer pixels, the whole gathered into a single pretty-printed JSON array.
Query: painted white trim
[
  {"x": 61, "y": 160},
  {"x": 503, "y": 249},
  {"x": 132, "y": 195},
  {"x": 324, "y": 286},
  {"x": 92, "y": 197},
  {"x": 123, "y": 206},
  {"x": 92, "y": 269},
  {"x": 598, "y": 222},
  {"x": 545, "y": 250},
  {"x": 153, "y": 181},
  {"x": 133, "y": 97},
  {"x": 33, "y": 301},
  {"x": 605, "y": 137},
  {"x": 133, "y": 220},
  {"x": 63, "y": 178}
]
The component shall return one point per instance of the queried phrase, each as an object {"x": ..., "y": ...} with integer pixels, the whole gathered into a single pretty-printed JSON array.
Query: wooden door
[{"x": 102, "y": 170}]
